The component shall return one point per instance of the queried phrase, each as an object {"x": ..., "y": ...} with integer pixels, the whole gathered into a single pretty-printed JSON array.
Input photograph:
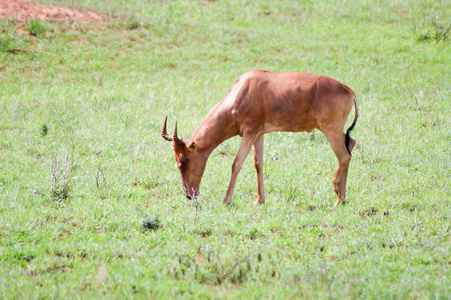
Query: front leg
[
  {"x": 258, "y": 163},
  {"x": 243, "y": 151}
]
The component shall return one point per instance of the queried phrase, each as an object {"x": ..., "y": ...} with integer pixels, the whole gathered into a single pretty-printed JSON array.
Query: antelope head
[{"x": 190, "y": 161}]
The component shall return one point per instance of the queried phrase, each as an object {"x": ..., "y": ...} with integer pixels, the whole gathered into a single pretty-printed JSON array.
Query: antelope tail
[{"x": 348, "y": 137}]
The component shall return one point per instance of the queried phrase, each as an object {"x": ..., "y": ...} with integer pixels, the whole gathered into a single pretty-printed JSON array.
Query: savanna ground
[{"x": 91, "y": 203}]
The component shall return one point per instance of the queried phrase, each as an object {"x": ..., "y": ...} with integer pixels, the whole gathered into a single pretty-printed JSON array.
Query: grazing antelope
[{"x": 261, "y": 102}]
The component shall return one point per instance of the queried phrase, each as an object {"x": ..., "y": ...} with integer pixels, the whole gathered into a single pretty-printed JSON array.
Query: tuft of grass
[
  {"x": 44, "y": 130},
  {"x": 435, "y": 32},
  {"x": 150, "y": 223},
  {"x": 37, "y": 27},
  {"x": 133, "y": 24},
  {"x": 62, "y": 172},
  {"x": 7, "y": 43},
  {"x": 209, "y": 268}
]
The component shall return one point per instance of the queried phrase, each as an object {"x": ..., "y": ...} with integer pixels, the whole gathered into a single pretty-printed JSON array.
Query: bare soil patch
[{"x": 23, "y": 10}]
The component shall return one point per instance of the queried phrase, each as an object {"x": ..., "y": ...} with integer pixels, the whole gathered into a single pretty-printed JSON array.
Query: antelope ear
[{"x": 192, "y": 147}]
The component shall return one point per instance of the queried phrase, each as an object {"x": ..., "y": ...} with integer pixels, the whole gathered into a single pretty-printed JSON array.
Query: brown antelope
[{"x": 261, "y": 102}]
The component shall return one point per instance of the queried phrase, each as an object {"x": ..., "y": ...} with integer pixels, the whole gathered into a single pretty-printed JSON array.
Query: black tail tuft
[{"x": 348, "y": 137}]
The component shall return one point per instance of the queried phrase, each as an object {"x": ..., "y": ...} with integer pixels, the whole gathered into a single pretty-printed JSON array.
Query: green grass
[
  {"x": 37, "y": 27},
  {"x": 98, "y": 95}
]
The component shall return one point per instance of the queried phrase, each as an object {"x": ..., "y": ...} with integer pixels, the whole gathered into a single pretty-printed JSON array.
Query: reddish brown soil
[{"x": 23, "y": 10}]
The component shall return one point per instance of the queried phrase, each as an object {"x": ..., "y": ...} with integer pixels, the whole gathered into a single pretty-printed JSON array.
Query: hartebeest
[{"x": 261, "y": 102}]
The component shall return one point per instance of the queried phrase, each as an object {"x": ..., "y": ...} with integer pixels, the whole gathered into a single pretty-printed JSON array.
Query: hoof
[
  {"x": 258, "y": 202},
  {"x": 339, "y": 202}
]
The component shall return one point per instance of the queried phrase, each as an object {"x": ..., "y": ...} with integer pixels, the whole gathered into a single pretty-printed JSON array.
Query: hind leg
[
  {"x": 337, "y": 143},
  {"x": 258, "y": 163}
]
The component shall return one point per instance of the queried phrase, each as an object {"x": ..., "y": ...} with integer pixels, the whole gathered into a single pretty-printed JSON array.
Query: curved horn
[
  {"x": 175, "y": 135},
  {"x": 164, "y": 134}
]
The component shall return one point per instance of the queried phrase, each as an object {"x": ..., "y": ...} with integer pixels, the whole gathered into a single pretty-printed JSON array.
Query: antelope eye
[{"x": 182, "y": 163}]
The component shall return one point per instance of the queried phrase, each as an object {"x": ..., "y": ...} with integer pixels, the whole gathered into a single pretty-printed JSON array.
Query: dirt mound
[{"x": 23, "y": 10}]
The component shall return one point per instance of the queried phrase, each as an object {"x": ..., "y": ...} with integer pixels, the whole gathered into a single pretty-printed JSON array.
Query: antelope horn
[
  {"x": 175, "y": 136},
  {"x": 164, "y": 134}
]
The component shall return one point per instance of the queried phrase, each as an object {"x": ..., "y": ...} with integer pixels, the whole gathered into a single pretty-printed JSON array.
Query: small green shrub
[
  {"x": 435, "y": 32},
  {"x": 60, "y": 193},
  {"x": 7, "y": 43},
  {"x": 38, "y": 27},
  {"x": 44, "y": 130},
  {"x": 149, "y": 223}
]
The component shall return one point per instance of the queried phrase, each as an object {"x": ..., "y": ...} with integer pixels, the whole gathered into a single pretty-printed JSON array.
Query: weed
[
  {"x": 292, "y": 193},
  {"x": 44, "y": 130},
  {"x": 214, "y": 270},
  {"x": 81, "y": 27},
  {"x": 133, "y": 24},
  {"x": 37, "y": 27},
  {"x": 436, "y": 32},
  {"x": 253, "y": 234},
  {"x": 97, "y": 176},
  {"x": 149, "y": 223},
  {"x": 7, "y": 43},
  {"x": 368, "y": 212},
  {"x": 61, "y": 174}
]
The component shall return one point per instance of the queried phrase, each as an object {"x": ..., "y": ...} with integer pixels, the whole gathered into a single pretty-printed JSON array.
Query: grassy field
[{"x": 91, "y": 202}]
